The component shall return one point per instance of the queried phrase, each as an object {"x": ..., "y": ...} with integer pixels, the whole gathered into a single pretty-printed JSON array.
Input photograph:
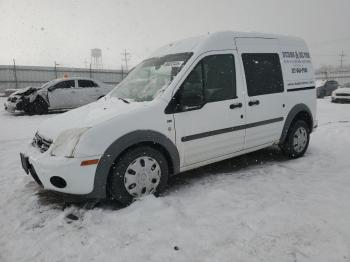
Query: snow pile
[{"x": 258, "y": 207}]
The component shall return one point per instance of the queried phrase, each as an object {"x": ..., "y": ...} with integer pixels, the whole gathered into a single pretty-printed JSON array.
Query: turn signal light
[{"x": 89, "y": 162}]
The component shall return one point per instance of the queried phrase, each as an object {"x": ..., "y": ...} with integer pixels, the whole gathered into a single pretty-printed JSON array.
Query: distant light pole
[
  {"x": 56, "y": 69},
  {"x": 15, "y": 72}
]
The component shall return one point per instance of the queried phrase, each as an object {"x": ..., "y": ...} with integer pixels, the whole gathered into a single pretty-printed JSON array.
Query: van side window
[
  {"x": 263, "y": 73},
  {"x": 219, "y": 77}
]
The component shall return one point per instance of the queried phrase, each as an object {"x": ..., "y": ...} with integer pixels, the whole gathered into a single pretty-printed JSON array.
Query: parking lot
[{"x": 257, "y": 207}]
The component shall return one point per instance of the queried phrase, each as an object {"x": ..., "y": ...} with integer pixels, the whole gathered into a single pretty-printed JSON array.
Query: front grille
[
  {"x": 342, "y": 94},
  {"x": 41, "y": 143}
]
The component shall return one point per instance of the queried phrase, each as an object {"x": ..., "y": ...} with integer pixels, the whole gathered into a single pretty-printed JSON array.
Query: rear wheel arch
[
  {"x": 150, "y": 138},
  {"x": 298, "y": 112}
]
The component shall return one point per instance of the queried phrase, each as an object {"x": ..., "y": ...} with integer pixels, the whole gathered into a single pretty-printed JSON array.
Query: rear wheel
[
  {"x": 139, "y": 172},
  {"x": 297, "y": 140}
]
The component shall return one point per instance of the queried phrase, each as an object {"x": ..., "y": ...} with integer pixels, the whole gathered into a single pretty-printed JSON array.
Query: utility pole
[
  {"x": 342, "y": 55},
  {"x": 125, "y": 58},
  {"x": 56, "y": 69},
  {"x": 15, "y": 73}
]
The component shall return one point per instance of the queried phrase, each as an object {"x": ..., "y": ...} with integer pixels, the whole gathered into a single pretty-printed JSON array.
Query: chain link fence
[
  {"x": 341, "y": 76},
  {"x": 14, "y": 77}
]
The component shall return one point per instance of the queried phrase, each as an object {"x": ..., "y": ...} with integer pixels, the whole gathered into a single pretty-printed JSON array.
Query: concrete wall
[{"x": 23, "y": 76}]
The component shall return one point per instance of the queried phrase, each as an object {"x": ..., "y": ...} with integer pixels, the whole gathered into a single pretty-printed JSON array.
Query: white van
[{"x": 192, "y": 103}]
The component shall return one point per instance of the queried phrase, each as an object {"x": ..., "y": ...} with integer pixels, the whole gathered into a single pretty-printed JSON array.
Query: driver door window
[
  {"x": 191, "y": 95},
  {"x": 212, "y": 80}
]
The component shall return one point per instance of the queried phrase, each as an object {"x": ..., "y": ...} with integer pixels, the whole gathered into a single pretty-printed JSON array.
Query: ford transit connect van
[{"x": 192, "y": 103}]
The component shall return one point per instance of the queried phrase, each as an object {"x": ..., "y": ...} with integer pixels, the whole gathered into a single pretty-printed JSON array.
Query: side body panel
[
  {"x": 298, "y": 76},
  {"x": 207, "y": 133},
  {"x": 85, "y": 95},
  {"x": 62, "y": 97},
  {"x": 264, "y": 113}
]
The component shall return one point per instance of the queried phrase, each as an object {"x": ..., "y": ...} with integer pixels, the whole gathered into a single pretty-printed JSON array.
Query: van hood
[{"x": 87, "y": 116}]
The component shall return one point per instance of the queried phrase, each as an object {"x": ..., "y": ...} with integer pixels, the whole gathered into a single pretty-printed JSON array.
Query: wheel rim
[
  {"x": 142, "y": 176},
  {"x": 300, "y": 139}
]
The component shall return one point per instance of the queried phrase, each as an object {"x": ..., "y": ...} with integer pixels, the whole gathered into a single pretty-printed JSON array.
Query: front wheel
[
  {"x": 297, "y": 140},
  {"x": 38, "y": 106},
  {"x": 138, "y": 172}
]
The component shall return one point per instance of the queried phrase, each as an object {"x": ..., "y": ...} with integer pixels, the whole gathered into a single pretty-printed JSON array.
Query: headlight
[
  {"x": 65, "y": 143},
  {"x": 333, "y": 93}
]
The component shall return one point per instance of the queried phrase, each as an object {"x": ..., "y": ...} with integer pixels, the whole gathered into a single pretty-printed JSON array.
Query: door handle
[
  {"x": 236, "y": 105},
  {"x": 254, "y": 103}
]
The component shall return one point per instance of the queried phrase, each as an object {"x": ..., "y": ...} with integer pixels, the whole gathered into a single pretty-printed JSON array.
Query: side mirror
[{"x": 190, "y": 101}]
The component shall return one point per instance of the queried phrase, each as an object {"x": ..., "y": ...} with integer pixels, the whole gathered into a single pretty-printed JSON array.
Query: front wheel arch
[{"x": 118, "y": 147}]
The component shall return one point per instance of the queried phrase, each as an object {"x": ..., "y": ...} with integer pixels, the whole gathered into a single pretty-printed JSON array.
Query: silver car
[{"x": 58, "y": 94}]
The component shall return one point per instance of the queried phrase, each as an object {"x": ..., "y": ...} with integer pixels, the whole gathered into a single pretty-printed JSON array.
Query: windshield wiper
[{"x": 124, "y": 100}]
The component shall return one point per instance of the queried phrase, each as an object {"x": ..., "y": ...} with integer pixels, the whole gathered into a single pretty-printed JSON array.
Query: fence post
[
  {"x": 122, "y": 72},
  {"x": 90, "y": 71},
  {"x": 56, "y": 69},
  {"x": 15, "y": 73}
]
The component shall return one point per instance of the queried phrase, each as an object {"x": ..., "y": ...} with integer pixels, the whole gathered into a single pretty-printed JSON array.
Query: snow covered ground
[{"x": 258, "y": 207}]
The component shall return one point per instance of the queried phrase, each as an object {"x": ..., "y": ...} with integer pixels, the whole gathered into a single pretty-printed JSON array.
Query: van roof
[{"x": 219, "y": 41}]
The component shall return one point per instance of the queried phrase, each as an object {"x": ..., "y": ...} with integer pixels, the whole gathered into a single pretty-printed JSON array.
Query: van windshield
[{"x": 146, "y": 80}]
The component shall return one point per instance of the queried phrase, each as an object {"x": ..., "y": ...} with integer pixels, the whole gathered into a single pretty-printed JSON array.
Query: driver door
[
  {"x": 208, "y": 118},
  {"x": 62, "y": 95}
]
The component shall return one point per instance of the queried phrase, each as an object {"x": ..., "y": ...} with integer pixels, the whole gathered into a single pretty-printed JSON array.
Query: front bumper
[
  {"x": 340, "y": 98},
  {"x": 10, "y": 106},
  {"x": 47, "y": 170}
]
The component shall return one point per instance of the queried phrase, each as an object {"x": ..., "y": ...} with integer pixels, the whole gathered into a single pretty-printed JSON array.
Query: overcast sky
[{"x": 39, "y": 32}]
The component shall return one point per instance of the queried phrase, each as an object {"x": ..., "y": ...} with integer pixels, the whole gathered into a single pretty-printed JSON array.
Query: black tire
[
  {"x": 38, "y": 106},
  {"x": 290, "y": 149},
  {"x": 116, "y": 186}
]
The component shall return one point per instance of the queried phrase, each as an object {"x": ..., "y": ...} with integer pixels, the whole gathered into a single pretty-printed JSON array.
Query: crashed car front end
[
  {"x": 21, "y": 100},
  {"x": 16, "y": 103}
]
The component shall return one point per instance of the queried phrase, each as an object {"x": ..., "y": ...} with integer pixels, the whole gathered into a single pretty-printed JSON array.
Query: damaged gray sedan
[{"x": 58, "y": 94}]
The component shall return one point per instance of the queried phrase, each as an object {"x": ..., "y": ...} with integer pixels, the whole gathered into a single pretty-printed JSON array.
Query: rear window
[
  {"x": 263, "y": 73},
  {"x": 87, "y": 83}
]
